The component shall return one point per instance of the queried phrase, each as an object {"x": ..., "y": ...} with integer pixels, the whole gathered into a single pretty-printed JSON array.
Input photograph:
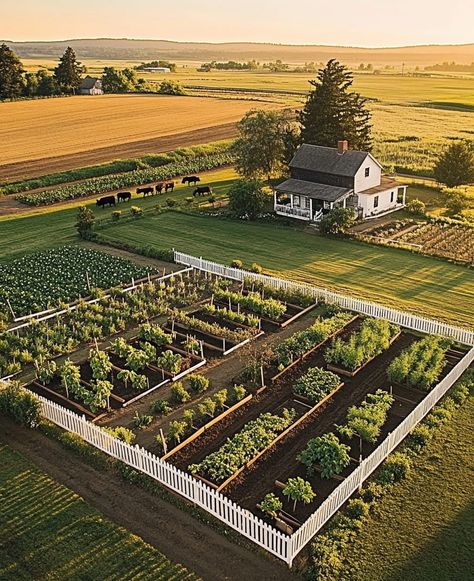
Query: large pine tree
[
  {"x": 333, "y": 112},
  {"x": 68, "y": 72},
  {"x": 11, "y": 74}
]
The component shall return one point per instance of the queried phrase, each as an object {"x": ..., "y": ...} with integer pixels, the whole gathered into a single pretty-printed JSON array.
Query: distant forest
[{"x": 452, "y": 67}]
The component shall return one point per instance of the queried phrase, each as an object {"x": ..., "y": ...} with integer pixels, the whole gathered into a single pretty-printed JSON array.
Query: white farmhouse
[
  {"x": 323, "y": 178},
  {"x": 91, "y": 86}
]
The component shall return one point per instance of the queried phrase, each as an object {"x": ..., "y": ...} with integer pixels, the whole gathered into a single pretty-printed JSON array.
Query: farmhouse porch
[{"x": 310, "y": 201}]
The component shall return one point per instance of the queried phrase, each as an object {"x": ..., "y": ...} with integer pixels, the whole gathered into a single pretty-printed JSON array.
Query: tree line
[{"x": 66, "y": 78}]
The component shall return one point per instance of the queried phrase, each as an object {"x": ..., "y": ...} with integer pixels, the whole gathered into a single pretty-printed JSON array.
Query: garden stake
[{"x": 165, "y": 447}]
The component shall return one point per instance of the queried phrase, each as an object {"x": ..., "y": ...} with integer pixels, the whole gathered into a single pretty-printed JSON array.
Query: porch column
[
  {"x": 344, "y": 203},
  {"x": 404, "y": 194},
  {"x": 274, "y": 200},
  {"x": 291, "y": 200},
  {"x": 311, "y": 209}
]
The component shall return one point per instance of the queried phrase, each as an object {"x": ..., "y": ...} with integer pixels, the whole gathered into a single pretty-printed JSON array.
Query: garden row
[
  {"x": 112, "y": 183},
  {"x": 49, "y": 278}
]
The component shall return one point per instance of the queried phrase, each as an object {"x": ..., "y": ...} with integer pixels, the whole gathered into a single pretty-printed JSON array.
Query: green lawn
[
  {"x": 424, "y": 530},
  {"x": 48, "y": 532},
  {"x": 389, "y": 276}
]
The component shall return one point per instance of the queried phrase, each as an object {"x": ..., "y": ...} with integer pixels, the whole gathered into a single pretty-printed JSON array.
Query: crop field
[
  {"x": 69, "y": 128},
  {"x": 48, "y": 532}
]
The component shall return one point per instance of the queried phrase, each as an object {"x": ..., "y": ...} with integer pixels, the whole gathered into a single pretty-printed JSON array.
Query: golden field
[{"x": 38, "y": 129}]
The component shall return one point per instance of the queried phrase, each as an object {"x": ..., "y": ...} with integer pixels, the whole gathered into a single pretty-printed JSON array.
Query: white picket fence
[
  {"x": 283, "y": 546},
  {"x": 407, "y": 320}
]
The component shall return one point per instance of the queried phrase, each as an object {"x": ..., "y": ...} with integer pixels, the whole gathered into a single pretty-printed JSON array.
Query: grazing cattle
[
  {"x": 159, "y": 187},
  {"x": 169, "y": 187},
  {"x": 146, "y": 191},
  {"x": 124, "y": 196},
  {"x": 105, "y": 201},
  {"x": 202, "y": 190},
  {"x": 191, "y": 180}
]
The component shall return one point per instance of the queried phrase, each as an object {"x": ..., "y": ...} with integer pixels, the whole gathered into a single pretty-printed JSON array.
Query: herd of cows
[{"x": 159, "y": 188}]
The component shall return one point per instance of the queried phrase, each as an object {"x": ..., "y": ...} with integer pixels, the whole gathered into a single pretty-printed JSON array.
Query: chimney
[{"x": 342, "y": 146}]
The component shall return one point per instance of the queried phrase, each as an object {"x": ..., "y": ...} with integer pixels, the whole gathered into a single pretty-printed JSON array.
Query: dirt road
[{"x": 172, "y": 531}]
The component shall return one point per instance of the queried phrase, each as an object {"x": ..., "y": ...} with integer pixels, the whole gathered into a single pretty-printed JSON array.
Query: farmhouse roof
[
  {"x": 312, "y": 190},
  {"x": 328, "y": 160},
  {"x": 386, "y": 183},
  {"x": 89, "y": 82}
]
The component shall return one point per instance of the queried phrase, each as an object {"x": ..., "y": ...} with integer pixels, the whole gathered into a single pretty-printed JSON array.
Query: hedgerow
[{"x": 110, "y": 183}]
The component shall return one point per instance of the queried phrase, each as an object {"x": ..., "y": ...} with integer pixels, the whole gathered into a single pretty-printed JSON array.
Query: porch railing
[{"x": 297, "y": 212}]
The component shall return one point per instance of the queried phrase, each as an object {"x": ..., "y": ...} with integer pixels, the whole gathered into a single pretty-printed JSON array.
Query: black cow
[
  {"x": 105, "y": 201},
  {"x": 159, "y": 187},
  {"x": 145, "y": 191},
  {"x": 202, "y": 190},
  {"x": 169, "y": 187},
  {"x": 191, "y": 180},
  {"x": 124, "y": 196}
]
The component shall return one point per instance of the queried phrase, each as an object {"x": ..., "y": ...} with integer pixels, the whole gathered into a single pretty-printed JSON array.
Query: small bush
[
  {"x": 256, "y": 268},
  {"x": 416, "y": 207},
  {"x": 395, "y": 468},
  {"x": 437, "y": 417},
  {"x": 189, "y": 200},
  {"x": 171, "y": 203},
  {"x": 142, "y": 421},
  {"x": 198, "y": 383},
  {"x": 136, "y": 211},
  {"x": 371, "y": 493},
  {"x": 237, "y": 393},
  {"x": 459, "y": 393},
  {"x": 161, "y": 406},
  {"x": 116, "y": 215},
  {"x": 418, "y": 438},
  {"x": 179, "y": 394},
  {"x": 357, "y": 509},
  {"x": 236, "y": 263},
  {"x": 271, "y": 505},
  {"x": 22, "y": 406},
  {"x": 122, "y": 433}
]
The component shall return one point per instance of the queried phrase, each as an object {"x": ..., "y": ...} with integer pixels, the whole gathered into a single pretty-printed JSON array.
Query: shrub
[
  {"x": 160, "y": 406},
  {"x": 246, "y": 199},
  {"x": 371, "y": 492},
  {"x": 85, "y": 222},
  {"x": 255, "y": 267},
  {"x": 179, "y": 393},
  {"x": 459, "y": 392},
  {"x": 122, "y": 433},
  {"x": 438, "y": 416},
  {"x": 116, "y": 215},
  {"x": 416, "y": 207},
  {"x": 418, "y": 438},
  {"x": 328, "y": 452},
  {"x": 357, "y": 509},
  {"x": 271, "y": 505},
  {"x": 136, "y": 211},
  {"x": 337, "y": 221},
  {"x": 176, "y": 430},
  {"x": 198, "y": 383},
  {"x": 237, "y": 393},
  {"x": 395, "y": 468},
  {"x": 236, "y": 263},
  {"x": 21, "y": 405},
  {"x": 171, "y": 203}
]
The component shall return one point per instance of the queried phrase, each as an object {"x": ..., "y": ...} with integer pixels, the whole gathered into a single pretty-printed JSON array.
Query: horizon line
[{"x": 248, "y": 42}]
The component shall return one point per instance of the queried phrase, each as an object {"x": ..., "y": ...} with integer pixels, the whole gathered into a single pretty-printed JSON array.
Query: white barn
[
  {"x": 323, "y": 178},
  {"x": 91, "y": 86}
]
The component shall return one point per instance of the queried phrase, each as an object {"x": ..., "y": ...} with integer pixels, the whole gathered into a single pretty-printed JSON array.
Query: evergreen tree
[
  {"x": 68, "y": 72},
  {"x": 333, "y": 112},
  {"x": 455, "y": 166},
  {"x": 11, "y": 74}
]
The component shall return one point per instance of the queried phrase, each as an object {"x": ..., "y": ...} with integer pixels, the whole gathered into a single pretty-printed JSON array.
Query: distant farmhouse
[
  {"x": 323, "y": 178},
  {"x": 91, "y": 86},
  {"x": 157, "y": 69}
]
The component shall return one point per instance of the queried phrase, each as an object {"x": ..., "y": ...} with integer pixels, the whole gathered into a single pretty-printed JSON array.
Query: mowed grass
[
  {"x": 38, "y": 129},
  {"x": 48, "y": 532},
  {"x": 389, "y": 276},
  {"x": 424, "y": 530}
]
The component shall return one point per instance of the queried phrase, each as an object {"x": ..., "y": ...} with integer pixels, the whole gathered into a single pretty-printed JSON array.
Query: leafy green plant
[
  {"x": 316, "y": 383},
  {"x": 395, "y": 468},
  {"x": 142, "y": 421},
  {"x": 198, "y": 383},
  {"x": 18, "y": 403},
  {"x": 170, "y": 362},
  {"x": 367, "y": 419},
  {"x": 179, "y": 394},
  {"x": 298, "y": 490},
  {"x": 100, "y": 364},
  {"x": 328, "y": 452},
  {"x": 122, "y": 433},
  {"x": 154, "y": 334},
  {"x": 161, "y": 406},
  {"x": 45, "y": 371},
  {"x": 176, "y": 430},
  {"x": 271, "y": 505}
]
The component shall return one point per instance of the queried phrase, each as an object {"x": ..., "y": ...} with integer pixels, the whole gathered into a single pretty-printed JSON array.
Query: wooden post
[
  {"x": 88, "y": 280},
  {"x": 223, "y": 344},
  {"x": 11, "y": 308},
  {"x": 202, "y": 349},
  {"x": 165, "y": 446},
  {"x": 262, "y": 378}
]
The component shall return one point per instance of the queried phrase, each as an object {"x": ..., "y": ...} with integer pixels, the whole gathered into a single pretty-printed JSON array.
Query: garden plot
[{"x": 340, "y": 383}]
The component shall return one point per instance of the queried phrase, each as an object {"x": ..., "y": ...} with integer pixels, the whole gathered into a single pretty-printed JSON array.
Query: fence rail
[
  {"x": 283, "y": 546},
  {"x": 407, "y": 320}
]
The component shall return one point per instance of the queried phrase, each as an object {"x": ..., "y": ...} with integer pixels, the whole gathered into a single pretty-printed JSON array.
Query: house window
[
  {"x": 307, "y": 203},
  {"x": 367, "y": 172},
  {"x": 391, "y": 196},
  {"x": 376, "y": 202}
]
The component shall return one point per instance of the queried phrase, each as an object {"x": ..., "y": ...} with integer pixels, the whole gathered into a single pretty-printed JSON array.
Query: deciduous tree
[
  {"x": 247, "y": 199},
  {"x": 455, "y": 166},
  {"x": 11, "y": 74}
]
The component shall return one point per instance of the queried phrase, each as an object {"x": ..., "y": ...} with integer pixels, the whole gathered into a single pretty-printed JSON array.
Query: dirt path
[
  {"x": 38, "y": 167},
  {"x": 175, "y": 533}
]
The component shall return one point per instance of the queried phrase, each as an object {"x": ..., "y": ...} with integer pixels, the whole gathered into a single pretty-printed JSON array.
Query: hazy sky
[{"x": 340, "y": 22}]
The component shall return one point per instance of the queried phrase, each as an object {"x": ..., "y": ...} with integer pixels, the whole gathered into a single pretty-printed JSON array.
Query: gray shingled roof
[
  {"x": 328, "y": 160},
  {"x": 89, "y": 82},
  {"x": 312, "y": 190}
]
